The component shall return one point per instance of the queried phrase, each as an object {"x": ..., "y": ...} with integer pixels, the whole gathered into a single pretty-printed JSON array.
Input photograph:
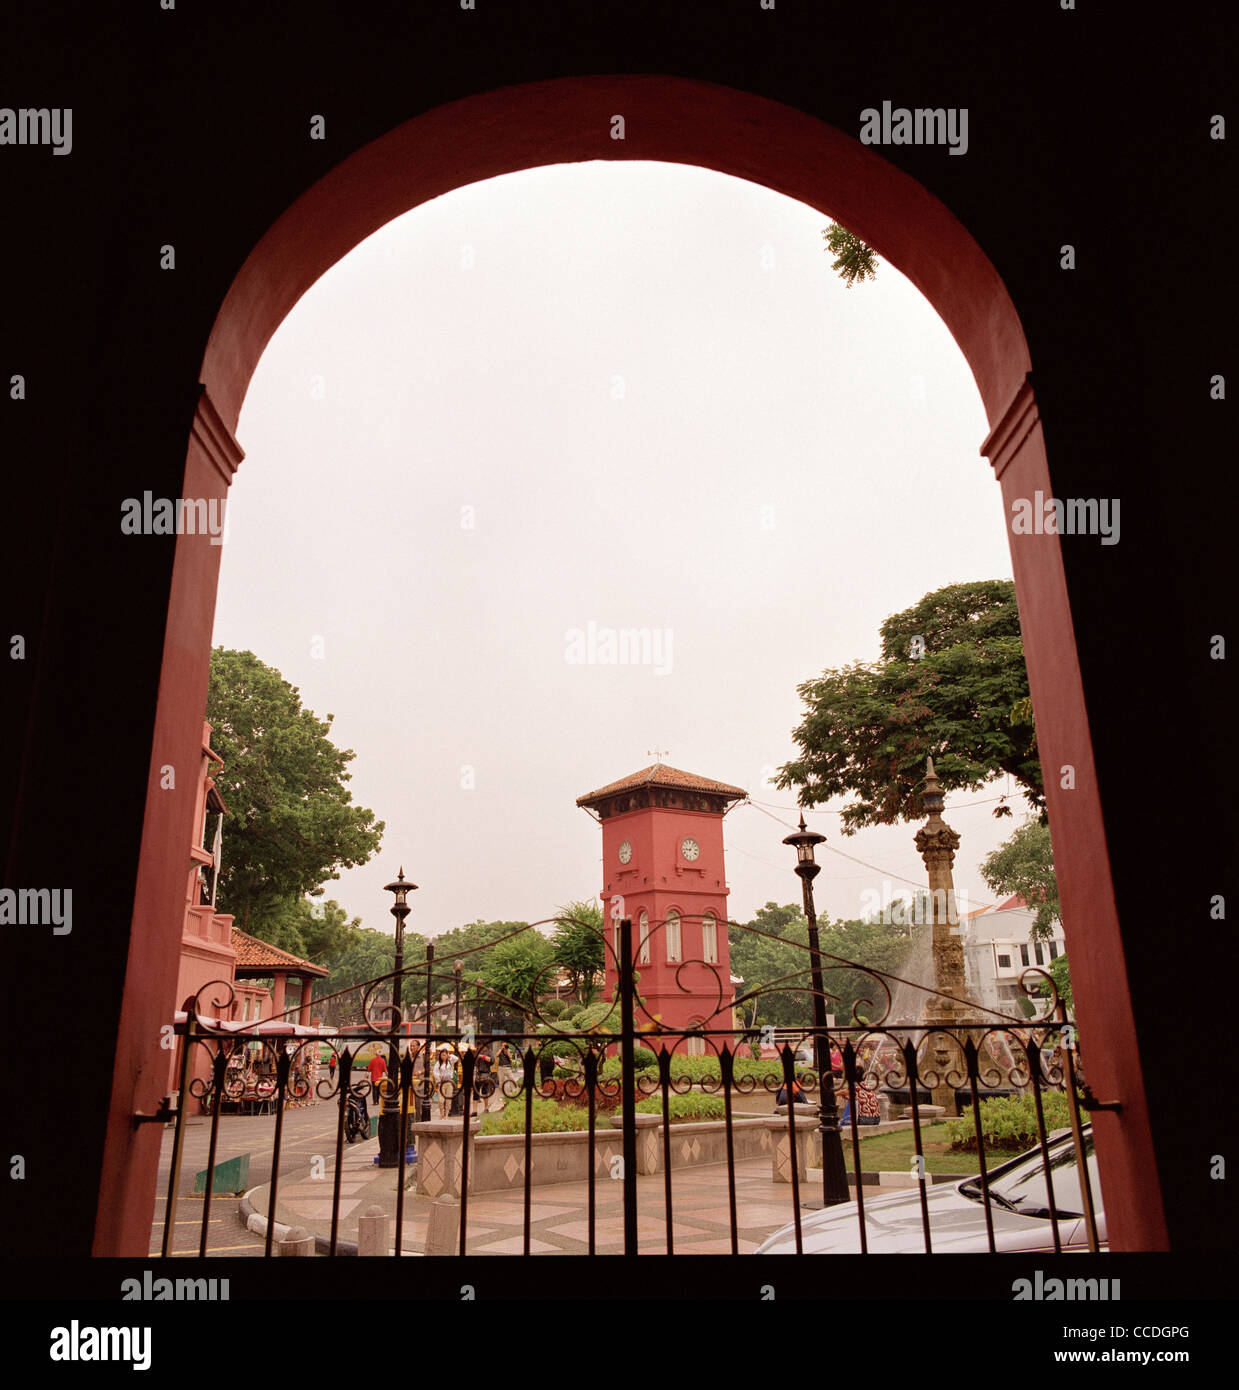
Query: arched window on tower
[
  {"x": 645, "y": 938},
  {"x": 672, "y": 930},
  {"x": 709, "y": 939}
]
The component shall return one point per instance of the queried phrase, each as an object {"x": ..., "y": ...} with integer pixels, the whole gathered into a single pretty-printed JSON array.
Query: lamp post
[
  {"x": 389, "y": 1094},
  {"x": 834, "y": 1174}
]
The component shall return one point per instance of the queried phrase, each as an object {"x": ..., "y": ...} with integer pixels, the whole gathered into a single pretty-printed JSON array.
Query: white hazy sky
[{"x": 621, "y": 393}]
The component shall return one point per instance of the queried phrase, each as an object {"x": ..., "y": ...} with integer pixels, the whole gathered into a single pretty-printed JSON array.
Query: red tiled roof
[
  {"x": 251, "y": 952},
  {"x": 1009, "y": 905},
  {"x": 660, "y": 775}
]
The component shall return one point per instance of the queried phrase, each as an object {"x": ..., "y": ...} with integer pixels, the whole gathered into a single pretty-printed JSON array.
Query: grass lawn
[{"x": 892, "y": 1152}]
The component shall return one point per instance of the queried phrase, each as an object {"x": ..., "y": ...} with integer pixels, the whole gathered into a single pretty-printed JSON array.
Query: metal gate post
[
  {"x": 178, "y": 1135},
  {"x": 628, "y": 1086}
]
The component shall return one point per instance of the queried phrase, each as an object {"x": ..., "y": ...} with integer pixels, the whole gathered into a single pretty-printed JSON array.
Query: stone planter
[{"x": 497, "y": 1161}]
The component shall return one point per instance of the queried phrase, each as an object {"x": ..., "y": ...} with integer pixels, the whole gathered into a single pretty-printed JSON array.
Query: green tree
[
  {"x": 517, "y": 969},
  {"x": 311, "y": 930},
  {"x": 291, "y": 822},
  {"x": 949, "y": 683},
  {"x": 853, "y": 259},
  {"x": 1024, "y": 864},
  {"x": 578, "y": 947},
  {"x": 881, "y": 945},
  {"x": 471, "y": 945},
  {"x": 1060, "y": 973},
  {"x": 362, "y": 956},
  {"x": 759, "y": 961}
]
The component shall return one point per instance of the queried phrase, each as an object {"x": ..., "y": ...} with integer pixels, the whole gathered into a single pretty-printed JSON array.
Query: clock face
[
  {"x": 690, "y": 849},
  {"x": 625, "y": 852}
]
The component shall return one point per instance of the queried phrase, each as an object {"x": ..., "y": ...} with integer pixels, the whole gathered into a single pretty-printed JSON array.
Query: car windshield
[{"x": 1024, "y": 1189}]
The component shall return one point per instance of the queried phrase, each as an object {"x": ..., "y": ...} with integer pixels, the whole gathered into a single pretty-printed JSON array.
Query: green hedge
[
  {"x": 694, "y": 1105},
  {"x": 1009, "y": 1123},
  {"x": 706, "y": 1068},
  {"x": 549, "y": 1117}
]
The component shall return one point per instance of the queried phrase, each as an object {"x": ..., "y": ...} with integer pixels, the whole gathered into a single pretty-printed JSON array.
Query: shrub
[
  {"x": 694, "y": 1105},
  {"x": 706, "y": 1068},
  {"x": 1009, "y": 1123},
  {"x": 552, "y": 1008},
  {"x": 547, "y": 1118}
]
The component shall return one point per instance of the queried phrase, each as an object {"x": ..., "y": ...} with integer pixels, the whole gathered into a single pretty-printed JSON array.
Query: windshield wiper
[{"x": 973, "y": 1191}]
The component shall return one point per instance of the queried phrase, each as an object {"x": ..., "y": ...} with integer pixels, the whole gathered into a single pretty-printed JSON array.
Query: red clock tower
[{"x": 662, "y": 854}]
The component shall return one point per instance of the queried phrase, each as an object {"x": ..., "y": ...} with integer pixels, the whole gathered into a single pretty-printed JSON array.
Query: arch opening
[{"x": 668, "y": 120}]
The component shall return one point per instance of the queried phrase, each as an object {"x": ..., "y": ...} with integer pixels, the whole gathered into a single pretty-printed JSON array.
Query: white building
[{"x": 998, "y": 947}]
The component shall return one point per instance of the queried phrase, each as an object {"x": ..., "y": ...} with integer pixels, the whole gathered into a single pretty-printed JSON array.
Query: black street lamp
[
  {"x": 389, "y": 1093},
  {"x": 834, "y": 1173}
]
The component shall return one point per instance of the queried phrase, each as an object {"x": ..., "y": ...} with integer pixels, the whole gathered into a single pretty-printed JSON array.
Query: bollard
[
  {"x": 298, "y": 1241},
  {"x": 443, "y": 1228},
  {"x": 372, "y": 1227}
]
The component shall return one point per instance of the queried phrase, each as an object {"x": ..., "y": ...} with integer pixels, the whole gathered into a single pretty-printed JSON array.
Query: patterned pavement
[{"x": 701, "y": 1222}]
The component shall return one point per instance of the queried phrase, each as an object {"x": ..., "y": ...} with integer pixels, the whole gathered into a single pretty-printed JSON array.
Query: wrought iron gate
[{"x": 603, "y": 1073}]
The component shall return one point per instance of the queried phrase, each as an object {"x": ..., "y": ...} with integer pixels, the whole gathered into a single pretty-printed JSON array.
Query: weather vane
[{"x": 656, "y": 753}]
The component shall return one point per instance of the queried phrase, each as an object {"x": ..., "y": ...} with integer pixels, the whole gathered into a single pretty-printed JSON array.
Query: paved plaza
[{"x": 559, "y": 1212}]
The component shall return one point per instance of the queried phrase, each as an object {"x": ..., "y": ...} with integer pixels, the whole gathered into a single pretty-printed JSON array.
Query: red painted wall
[{"x": 657, "y": 879}]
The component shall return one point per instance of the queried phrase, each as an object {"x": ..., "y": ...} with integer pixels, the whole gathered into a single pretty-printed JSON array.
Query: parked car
[{"x": 1018, "y": 1203}]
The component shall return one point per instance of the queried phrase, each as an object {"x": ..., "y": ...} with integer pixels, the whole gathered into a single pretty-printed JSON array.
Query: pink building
[{"x": 213, "y": 949}]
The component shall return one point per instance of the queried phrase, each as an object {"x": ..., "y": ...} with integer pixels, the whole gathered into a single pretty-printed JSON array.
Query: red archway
[{"x": 681, "y": 121}]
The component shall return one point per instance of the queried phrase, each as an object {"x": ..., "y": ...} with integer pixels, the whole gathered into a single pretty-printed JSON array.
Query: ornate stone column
[{"x": 937, "y": 843}]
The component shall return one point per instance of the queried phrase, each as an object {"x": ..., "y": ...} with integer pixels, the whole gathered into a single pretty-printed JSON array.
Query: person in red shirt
[{"x": 377, "y": 1070}]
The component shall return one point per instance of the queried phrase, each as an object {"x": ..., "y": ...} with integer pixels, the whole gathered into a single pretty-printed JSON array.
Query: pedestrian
[
  {"x": 377, "y": 1070},
  {"x": 503, "y": 1071},
  {"x": 483, "y": 1080},
  {"x": 444, "y": 1078},
  {"x": 331, "y": 1066},
  {"x": 868, "y": 1106},
  {"x": 798, "y": 1095}
]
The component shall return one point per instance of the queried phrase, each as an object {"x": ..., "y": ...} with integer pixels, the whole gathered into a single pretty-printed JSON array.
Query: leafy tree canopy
[
  {"x": 291, "y": 822},
  {"x": 950, "y": 683},
  {"x": 311, "y": 930},
  {"x": 853, "y": 259},
  {"x": 578, "y": 946},
  {"x": 367, "y": 956},
  {"x": 1060, "y": 973},
  {"x": 760, "y": 961},
  {"x": 517, "y": 969},
  {"x": 1024, "y": 864},
  {"x": 470, "y": 944}
]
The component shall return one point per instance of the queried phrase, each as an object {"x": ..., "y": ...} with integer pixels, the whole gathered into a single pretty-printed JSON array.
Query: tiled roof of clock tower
[{"x": 660, "y": 775}]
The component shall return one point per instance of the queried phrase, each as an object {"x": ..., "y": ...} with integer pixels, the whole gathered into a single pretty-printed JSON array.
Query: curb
[{"x": 256, "y": 1222}]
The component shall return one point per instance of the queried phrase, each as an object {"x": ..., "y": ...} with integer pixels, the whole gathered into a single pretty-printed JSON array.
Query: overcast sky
[{"x": 633, "y": 395}]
